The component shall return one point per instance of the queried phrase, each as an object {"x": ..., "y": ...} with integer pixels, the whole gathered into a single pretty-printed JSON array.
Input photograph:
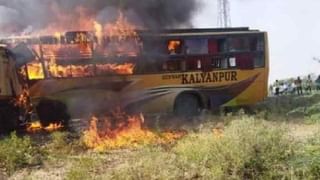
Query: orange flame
[
  {"x": 127, "y": 132},
  {"x": 113, "y": 39},
  {"x": 36, "y": 127},
  {"x": 58, "y": 71},
  {"x": 22, "y": 100},
  {"x": 173, "y": 46},
  {"x": 35, "y": 70}
]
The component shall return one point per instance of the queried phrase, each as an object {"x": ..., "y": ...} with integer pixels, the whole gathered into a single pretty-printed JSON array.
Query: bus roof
[{"x": 198, "y": 32}]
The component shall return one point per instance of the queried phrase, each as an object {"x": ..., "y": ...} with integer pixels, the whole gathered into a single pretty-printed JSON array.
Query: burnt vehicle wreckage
[{"x": 76, "y": 74}]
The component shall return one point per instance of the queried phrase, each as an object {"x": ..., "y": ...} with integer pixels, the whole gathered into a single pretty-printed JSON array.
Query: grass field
[{"x": 279, "y": 139}]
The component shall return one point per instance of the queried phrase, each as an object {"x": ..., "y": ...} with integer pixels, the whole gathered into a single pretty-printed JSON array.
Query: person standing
[
  {"x": 318, "y": 83},
  {"x": 271, "y": 90},
  {"x": 294, "y": 87},
  {"x": 277, "y": 88},
  {"x": 309, "y": 84},
  {"x": 299, "y": 86}
]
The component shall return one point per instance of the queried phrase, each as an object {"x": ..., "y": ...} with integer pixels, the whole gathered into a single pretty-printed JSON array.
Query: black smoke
[{"x": 29, "y": 15}]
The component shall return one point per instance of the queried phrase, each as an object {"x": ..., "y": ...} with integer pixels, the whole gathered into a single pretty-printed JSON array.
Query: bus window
[
  {"x": 149, "y": 66},
  {"x": 199, "y": 64},
  {"x": 154, "y": 47},
  {"x": 245, "y": 61},
  {"x": 49, "y": 40},
  {"x": 213, "y": 46},
  {"x": 222, "y": 45},
  {"x": 232, "y": 62},
  {"x": 196, "y": 46},
  {"x": 224, "y": 63},
  {"x": 259, "y": 61},
  {"x": 183, "y": 65},
  {"x": 175, "y": 47},
  {"x": 260, "y": 44},
  {"x": 256, "y": 44},
  {"x": 220, "y": 63},
  {"x": 61, "y": 71},
  {"x": 172, "y": 66},
  {"x": 35, "y": 70},
  {"x": 192, "y": 64},
  {"x": 77, "y": 37},
  {"x": 216, "y": 63},
  {"x": 239, "y": 44}
]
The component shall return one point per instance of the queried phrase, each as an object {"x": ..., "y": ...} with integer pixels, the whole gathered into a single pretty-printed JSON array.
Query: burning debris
[
  {"x": 37, "y": 127},
  {"x": 82, "y": 54},
  {"x": 122, "y": 131},
  {"x": 35, "y": 70},
  {"x": 63, "y": 39},
  {"x": 64, "y": 43}
]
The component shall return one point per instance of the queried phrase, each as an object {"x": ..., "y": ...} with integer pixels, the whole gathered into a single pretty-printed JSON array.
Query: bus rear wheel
[
  {"x": 187, "y": 105},
  {"x": 51, "y": 111}
]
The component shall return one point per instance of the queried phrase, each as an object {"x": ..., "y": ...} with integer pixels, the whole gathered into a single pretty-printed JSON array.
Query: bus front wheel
[
  {"x": 51, "y": 111},
  {"x": 187, "y": 105},
  {"x": 8, "y": 118}
]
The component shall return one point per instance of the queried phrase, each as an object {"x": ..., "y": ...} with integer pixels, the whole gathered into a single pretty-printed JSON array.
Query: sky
[{"x": 292, "y": 25}]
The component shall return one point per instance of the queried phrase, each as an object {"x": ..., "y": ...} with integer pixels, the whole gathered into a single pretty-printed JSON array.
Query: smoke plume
[{"x": 18, "y": 16}]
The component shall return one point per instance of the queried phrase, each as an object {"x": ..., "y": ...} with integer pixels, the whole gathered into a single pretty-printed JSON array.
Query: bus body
[
  {"x": 181, "y": 71},
  {"x": 10, "y": 89}
]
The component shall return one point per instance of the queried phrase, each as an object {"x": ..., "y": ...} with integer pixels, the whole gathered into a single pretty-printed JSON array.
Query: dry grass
[{"x": 236, "y": 146}]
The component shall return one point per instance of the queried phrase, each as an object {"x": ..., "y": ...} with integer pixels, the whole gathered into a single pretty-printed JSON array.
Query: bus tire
[
  {"x": 9, "y": 118},
  {"x": 187, "y": 105},
  {"x": 52, "y": 111}
]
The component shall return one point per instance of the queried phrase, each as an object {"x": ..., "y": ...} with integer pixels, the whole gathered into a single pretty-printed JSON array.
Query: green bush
[
  {"x": 290, "y": 107},
  {"x": 314, "y": 109},
  {"x": 62, "y": 144},
  {"x": 306, "y": 163},
  {"x": 82, "y": 168},
  {"x": 152, "y": 163},
  {"x": 17, "y": 153},
  {"x": 248, "y": 149}
]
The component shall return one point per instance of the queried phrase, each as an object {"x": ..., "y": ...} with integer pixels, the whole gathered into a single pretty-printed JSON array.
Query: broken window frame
[{"x": 177, "y": 51}]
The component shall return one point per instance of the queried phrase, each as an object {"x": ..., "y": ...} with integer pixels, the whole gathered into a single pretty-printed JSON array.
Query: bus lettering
[
  {"x": 191, "y": 79},
  {"x": 234, "y": 76},
  {"x": 203, "y": 77},
  {"x": 209, "y": 77}
]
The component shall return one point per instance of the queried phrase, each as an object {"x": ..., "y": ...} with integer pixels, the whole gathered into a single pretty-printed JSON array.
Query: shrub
[
  {"x": 293, "y": 107},
  {"x": 314, "y": 109},
  {"x": 248, "y": 149},
  {"x": 17, "y": 153},
  {"x": 153, "y": 163},
  {"x": 82, "y": 169},
  {"x": 306, "y": 163},
  {"x": 62, "y": 144}
]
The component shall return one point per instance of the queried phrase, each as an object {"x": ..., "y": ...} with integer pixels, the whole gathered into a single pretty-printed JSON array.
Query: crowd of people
[{"x": 295, "y": 86}]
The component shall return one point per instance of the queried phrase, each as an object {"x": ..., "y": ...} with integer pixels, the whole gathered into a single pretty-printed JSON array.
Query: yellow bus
[{"x": 175, "y": 71}]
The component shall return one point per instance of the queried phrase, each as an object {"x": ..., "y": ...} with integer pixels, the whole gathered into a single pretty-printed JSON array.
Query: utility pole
[{"x": 224, "y": 19}]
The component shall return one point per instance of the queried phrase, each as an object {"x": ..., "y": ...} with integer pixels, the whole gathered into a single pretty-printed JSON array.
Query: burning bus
[{"x": 180, "y": 71}]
